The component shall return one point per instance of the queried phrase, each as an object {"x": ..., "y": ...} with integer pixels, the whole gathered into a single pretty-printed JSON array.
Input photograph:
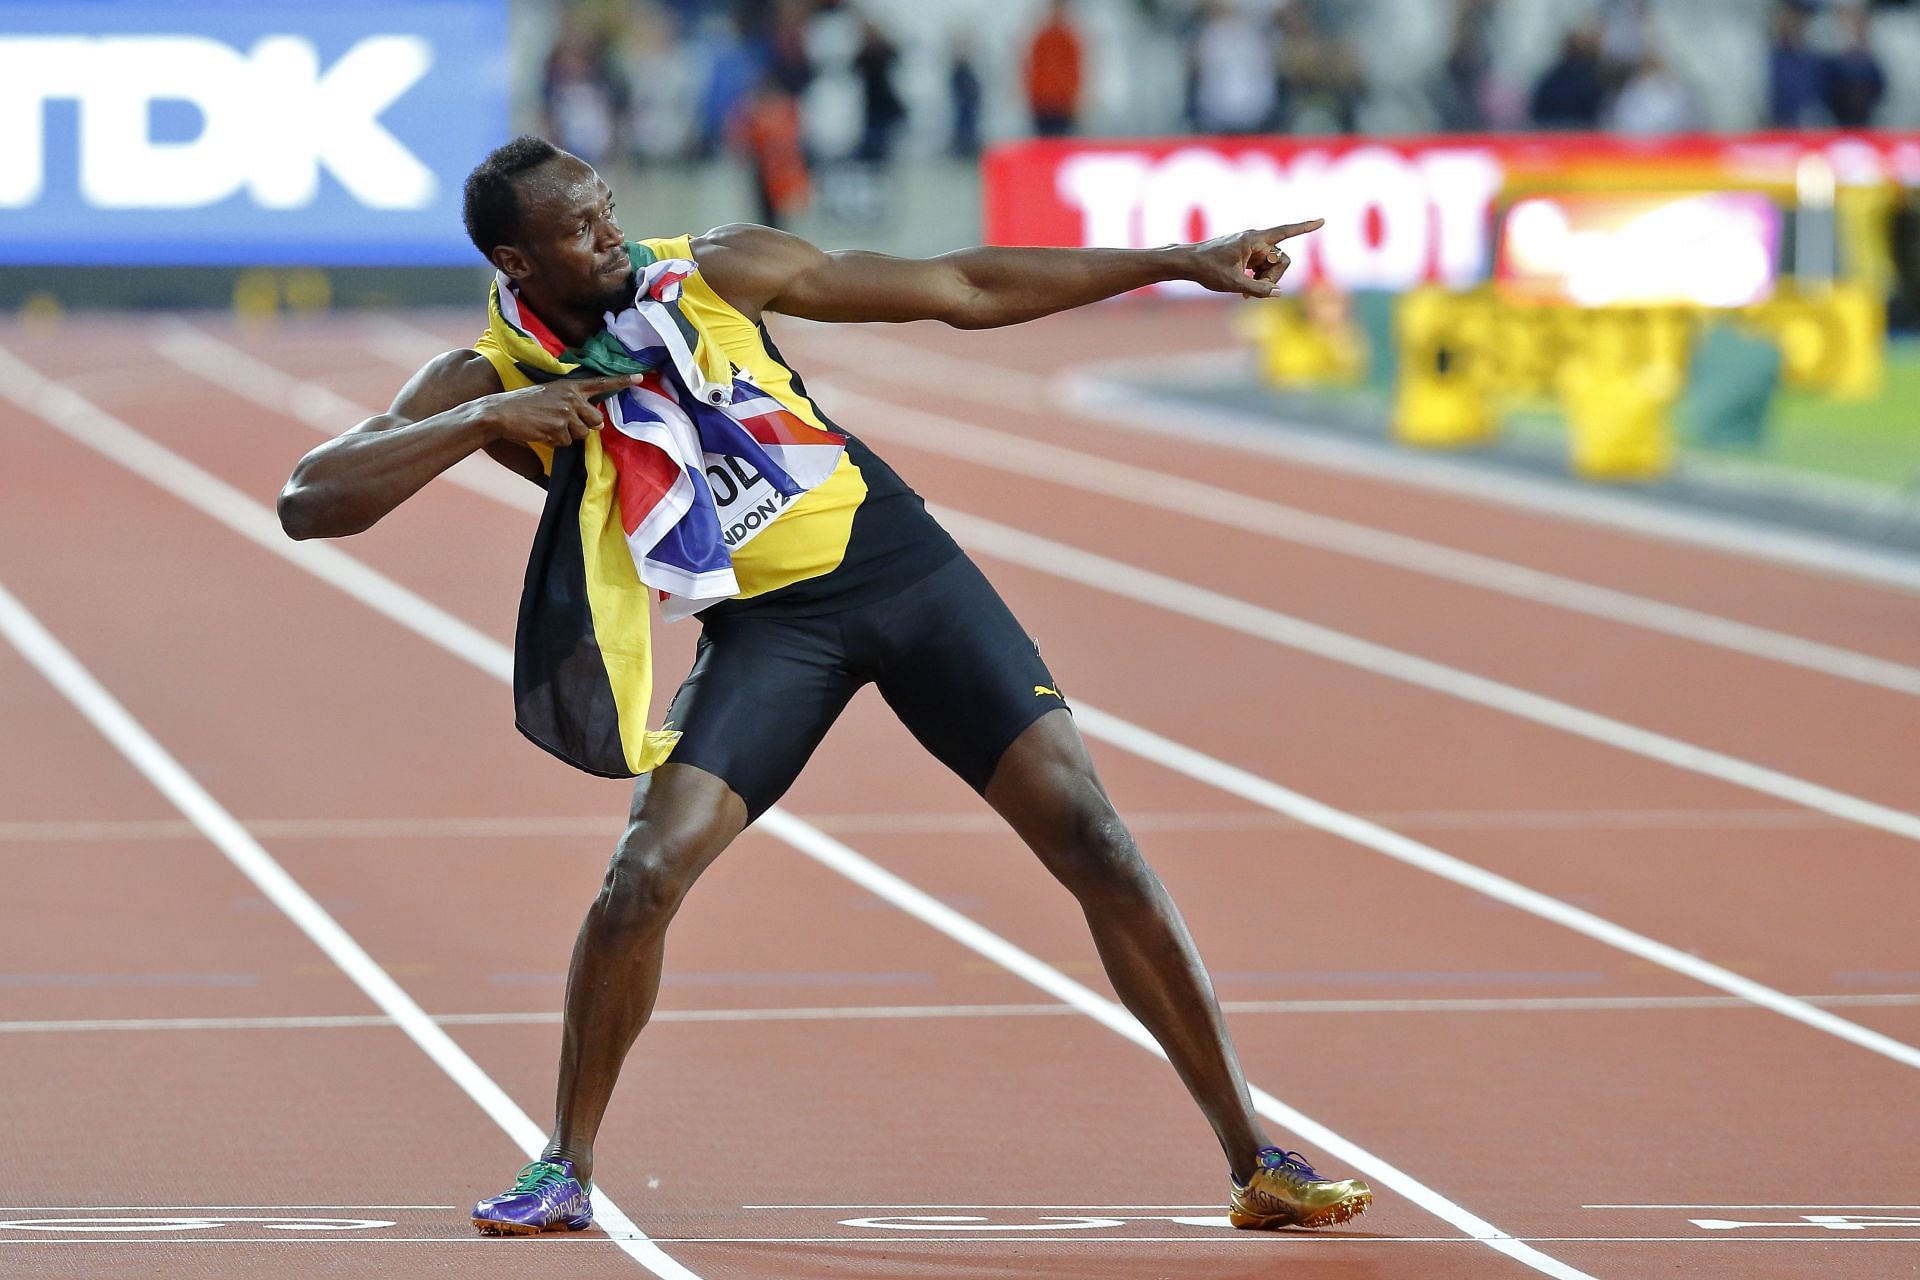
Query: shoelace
[
  {"x": 538, "y": 1176},
  {"x": 1289, "y": 1162}
]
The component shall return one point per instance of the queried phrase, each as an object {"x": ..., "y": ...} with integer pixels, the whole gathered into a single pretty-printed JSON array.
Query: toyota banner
[{"x": 1405, "y": 212}]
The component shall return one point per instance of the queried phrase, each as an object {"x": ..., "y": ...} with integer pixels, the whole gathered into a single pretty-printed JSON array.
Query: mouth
[{"x": 614, "y": 267}]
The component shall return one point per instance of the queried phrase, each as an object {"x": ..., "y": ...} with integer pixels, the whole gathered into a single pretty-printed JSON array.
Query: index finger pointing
[
  {"x": 1293, "y": 229},
  {"x": 606, "y": 383}
]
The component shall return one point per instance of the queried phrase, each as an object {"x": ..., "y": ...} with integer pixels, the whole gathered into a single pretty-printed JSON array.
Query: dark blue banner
[{"x": 245, "y": 132}]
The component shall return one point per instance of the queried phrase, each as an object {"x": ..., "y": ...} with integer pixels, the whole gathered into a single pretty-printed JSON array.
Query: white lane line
[
  {"x": 71, "y": 831},
  {"x": 1097, "y": 394},
  {"x": 403, "y": 344},
  {"x": 1127, "y": 1208},
  {"x": 316, "y": 405},
  {"x": 144, "y": 830},
  {"x": 1096, "y": 399},
  {"x": 162, "y": 1208},
  {"x": 970, "y": 822},
  {"x": 908, "y": 1013},
  {"x": 1021, "y": 455},
  {"x": 1138, "y": 584},
  {"x": 1057, "y": 559},
  {"x": 1248, "y": 1239},
  {"x": 86, "y": 423},
  {"x": 171, "y": 779},
  {"x": 1203, "y": 768},
  {"x": 923, "y": 906},
  {"x": 79, "y": 419},
  {"x": 1750, "y": 1206},
  {"x": 200, "y": 352}
]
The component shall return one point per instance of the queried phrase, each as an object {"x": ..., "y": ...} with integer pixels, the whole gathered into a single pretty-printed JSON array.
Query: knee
[
  {"x": 651, "y": 872},
  {"x": 1102, "y": 861}
]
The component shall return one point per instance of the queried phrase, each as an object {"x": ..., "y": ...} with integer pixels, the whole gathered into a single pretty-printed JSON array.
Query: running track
[{"x": 1602, "y": 925}]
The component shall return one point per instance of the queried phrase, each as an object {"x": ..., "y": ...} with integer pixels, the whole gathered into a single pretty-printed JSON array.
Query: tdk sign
[
  {"x": 222, "y": 133},
  {"x": 271, "y": 120}
]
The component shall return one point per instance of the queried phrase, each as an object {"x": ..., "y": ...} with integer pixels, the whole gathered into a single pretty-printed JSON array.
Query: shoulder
[{"x": 750, "y": 265}]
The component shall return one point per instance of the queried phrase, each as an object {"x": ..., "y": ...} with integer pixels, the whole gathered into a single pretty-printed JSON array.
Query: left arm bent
[{"x": 759, "y": 269}]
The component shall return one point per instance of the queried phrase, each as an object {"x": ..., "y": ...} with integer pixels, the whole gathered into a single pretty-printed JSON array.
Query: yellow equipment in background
[
  {"x": 1619, "y": 416},
  {"x": 1465, "y": 357},
  {"x": 1308, "y": 341},
  {"x": 1442, "y": 399}
]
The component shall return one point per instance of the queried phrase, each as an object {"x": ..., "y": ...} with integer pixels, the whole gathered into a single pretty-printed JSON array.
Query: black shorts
[{"x": 946, "y": 653}]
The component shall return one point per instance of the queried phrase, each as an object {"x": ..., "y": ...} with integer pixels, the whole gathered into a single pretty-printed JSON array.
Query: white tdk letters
[{"x": 270, "y": 119}]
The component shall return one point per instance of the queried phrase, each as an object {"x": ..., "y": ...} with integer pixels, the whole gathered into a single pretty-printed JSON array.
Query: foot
[
  {"x": 545, "y": 1197},
  {"x": 1285, "y": 1192}
]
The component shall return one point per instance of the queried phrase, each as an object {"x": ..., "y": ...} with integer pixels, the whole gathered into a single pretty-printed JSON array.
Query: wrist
[
  {"x": 476, "y": 424},
  {"x": 1177, "y": 262}
]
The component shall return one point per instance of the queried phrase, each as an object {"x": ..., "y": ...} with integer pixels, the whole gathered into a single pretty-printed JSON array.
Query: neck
[
  {"x": 573, "y": 325},
  {"x": 570, "y": 326}
]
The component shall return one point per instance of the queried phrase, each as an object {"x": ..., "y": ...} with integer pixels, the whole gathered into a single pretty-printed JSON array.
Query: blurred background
[{"x": 1667, "y": 243}]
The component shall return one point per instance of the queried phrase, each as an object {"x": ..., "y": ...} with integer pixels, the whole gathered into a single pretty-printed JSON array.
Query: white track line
[
  {"x": 402, "y": 343},
  {"x": 92, "y": 426},
  {"x": 171, "y": 779},
  {"x": 391, "y": 599},
  {"x": 1750, "y": 1206},
  {"x": 318, "y": 829},
  {"x": 1204, "y": 768},
  {"x": 935, "y": 433},
  {"x": 1193, "y": 499},
  {"x": 163, "y": 1208},
  {"x": 1074, "y": 1208},
  {"x": 1057, "y": 559},
  {"x": 829, "y": 852},
  {"x": 67, "y": 831},
  {"x": 1096, "y": 399},
  {"x": 1096, "y": 393},
  {"x": 315, "y": 405},
  {"x": 895, "y": 1239},
  {"x": 910, "y": 1013}
]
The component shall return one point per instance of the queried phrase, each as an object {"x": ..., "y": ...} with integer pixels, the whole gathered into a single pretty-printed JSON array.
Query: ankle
[
  {"x": 581, "y": 1158},
  {"x": 1244, "y": 1161}
]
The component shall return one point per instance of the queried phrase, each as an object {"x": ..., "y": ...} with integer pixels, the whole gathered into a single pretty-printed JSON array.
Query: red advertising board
[{"x": 1399, "y": 212}]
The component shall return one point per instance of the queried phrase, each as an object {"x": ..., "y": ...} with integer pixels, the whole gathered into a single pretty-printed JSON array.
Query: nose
[{"x": 608, "y": 236}]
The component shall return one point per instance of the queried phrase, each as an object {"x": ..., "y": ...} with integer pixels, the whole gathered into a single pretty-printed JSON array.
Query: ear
[{"x": 511, "y": 261}]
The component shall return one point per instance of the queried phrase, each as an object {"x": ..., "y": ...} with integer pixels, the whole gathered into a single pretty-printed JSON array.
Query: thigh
[
  {"x": 760, "y": 697},
  {"x": 960, "y": 671}
]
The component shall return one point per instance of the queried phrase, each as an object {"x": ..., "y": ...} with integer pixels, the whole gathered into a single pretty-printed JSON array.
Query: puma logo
[{"x": 1041, "y": 691}]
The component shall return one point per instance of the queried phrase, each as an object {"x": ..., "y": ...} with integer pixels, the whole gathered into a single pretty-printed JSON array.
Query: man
[
  {"x": 1053, "y": 73},
  {"x": 892, "y": 601}
]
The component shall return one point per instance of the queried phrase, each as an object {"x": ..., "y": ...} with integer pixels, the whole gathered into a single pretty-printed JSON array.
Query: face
[{"x": 570, "y": 252}]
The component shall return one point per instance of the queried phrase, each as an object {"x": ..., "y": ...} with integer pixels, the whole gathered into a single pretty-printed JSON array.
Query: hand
[
  {"x": 554, "y": 413},
  {"x": 1249, "y": 262}
]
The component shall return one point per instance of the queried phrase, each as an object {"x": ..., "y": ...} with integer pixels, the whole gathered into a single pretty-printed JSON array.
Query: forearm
[
  {"x": 1011, "y": 285},
  {"x": 349, "y": 483}
]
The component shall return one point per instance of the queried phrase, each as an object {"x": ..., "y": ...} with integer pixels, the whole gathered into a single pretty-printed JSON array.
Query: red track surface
[{"x": 355, "y": 749}]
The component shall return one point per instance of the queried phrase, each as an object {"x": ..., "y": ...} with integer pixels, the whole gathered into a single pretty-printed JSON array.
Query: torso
[{"x": 861, "y": 535}]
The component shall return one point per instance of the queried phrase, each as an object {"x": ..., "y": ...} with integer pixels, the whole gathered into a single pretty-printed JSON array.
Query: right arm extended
[{"x": 452, "y": 407}]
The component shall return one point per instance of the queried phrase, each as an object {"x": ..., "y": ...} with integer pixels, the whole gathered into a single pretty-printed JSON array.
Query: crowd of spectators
[{"x": 657, "y": 80}]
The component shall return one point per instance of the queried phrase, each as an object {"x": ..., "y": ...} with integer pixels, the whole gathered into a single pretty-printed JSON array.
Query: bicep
[
  {"x": 856, "y": 285},
  {"x": 760, "y": 269},
  {"x": 447, "y": 382}
]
